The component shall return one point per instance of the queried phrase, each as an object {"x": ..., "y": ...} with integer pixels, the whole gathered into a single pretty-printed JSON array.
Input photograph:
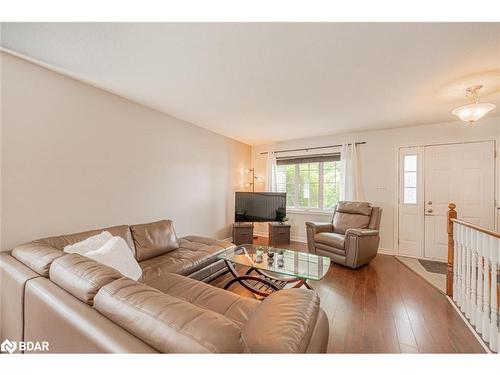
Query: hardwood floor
[{"x": 384, "y": 308}]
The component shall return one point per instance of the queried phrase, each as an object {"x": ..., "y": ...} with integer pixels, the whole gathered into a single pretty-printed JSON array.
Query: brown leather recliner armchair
[{"x": 351, "y": 238}]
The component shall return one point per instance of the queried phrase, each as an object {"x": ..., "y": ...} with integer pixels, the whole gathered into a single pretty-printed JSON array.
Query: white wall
[
  {"x": 74, "y": 157},
  {"x": 378, "y": 163}
]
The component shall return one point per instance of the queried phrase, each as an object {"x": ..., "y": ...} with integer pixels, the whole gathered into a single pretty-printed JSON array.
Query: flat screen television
[{"x": 259, "y": 207}]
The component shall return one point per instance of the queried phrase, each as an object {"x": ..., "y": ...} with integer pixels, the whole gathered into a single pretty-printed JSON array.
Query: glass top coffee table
[{"x": 271, "y": 269}]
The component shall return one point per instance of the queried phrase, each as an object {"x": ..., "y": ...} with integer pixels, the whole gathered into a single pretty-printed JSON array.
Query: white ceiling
[{"x": 262, "y": 83}]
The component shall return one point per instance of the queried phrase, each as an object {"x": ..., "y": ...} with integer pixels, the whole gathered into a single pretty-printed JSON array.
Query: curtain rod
[{"x": 310, "y": 148}]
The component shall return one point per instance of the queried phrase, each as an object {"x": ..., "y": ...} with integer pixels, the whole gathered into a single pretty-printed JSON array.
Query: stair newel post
[{"x": 452, "y": 214}]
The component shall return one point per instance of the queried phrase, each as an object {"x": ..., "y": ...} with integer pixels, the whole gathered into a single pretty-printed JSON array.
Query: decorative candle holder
[
  {"x": 259, "y": 253},
  {"x": 270, "y": 258},
  {"x": 281, "y": 259}
]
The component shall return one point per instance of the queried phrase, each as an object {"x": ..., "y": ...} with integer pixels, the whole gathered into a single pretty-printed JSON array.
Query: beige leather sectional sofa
[{"x": 78, "y": 305}]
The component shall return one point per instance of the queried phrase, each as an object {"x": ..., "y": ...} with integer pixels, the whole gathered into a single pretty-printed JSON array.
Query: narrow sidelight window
[{"x": 410, "y": 179}]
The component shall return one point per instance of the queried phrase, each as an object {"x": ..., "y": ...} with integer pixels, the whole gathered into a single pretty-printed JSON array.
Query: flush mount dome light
[{"x": 473, "y": 112}]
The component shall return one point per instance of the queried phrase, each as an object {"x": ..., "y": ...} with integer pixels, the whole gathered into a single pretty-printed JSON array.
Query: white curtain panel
[
  {"x": 271, "y": 172},
  {"x": 351, "y": 187}
]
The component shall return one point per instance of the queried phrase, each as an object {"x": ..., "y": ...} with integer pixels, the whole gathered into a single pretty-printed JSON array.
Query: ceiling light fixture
[{"x": 475, "y": 111}]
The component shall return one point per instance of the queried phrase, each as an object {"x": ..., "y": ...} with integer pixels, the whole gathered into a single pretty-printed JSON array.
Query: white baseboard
[
  {"x": 298, "y": 239},
  {"x": 384, "y": 251}
]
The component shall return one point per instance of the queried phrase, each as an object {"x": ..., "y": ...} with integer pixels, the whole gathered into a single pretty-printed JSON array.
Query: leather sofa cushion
[
  {"x": 329, "y": 250},
  {"x": 80, "y": 276},
  {"x": 343, "y": 221},
  {"x": 358, "y": 208},
  {"x": 189, "y": 257},
  {"x": 60, "y": 242},
  {"x": 351, "y": 215},
  {"x": 331, "y": 239},
  {"x": 232, "y": 306},
  {"x": 283, "y": 323},
  {"x": 37, "y": 255},
  {"x": 168, "y": 324},
  {"x": 154, "y": 239}
]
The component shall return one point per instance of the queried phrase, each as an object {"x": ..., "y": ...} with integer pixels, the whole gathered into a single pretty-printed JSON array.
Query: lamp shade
[{"x": 473, "y": 112}]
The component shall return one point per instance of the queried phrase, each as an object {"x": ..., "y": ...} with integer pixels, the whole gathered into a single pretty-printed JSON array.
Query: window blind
[{"x": 283, "y": 160}]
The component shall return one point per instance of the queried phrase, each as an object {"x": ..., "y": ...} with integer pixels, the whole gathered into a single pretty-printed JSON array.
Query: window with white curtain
[{"x": 311, "y": 183}]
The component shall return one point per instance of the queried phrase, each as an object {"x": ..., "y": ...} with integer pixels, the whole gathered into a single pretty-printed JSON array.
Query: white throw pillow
[
  {"x": 115, "y": 253},
  {"x": 89, "y": 244}
]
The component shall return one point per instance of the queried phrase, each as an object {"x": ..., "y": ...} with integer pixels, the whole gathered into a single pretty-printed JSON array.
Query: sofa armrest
[
  {"x": 362, "y": 232},
  {"x": 319, "y": 227},
  {"x": 284, "y": 323}
]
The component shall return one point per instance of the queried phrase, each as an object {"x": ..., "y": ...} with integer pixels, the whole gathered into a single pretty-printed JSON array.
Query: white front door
[
  {"x": 430, "y": 177},
  {"x": 465, "y": 175}
]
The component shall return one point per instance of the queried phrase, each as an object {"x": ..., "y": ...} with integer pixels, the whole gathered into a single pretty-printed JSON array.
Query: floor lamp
[
  {"x": 253, "y": 178},
  {"x": 252, "y": 183}
]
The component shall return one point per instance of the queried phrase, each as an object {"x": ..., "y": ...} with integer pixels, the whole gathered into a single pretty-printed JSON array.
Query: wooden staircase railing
[{"x": 472, "y": 277}]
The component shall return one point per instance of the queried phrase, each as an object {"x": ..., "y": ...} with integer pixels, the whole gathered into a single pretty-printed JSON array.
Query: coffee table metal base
[{"x": 263, "y": 283}]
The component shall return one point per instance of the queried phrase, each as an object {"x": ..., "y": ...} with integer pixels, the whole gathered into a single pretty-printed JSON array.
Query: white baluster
[
  {"x": 460, "y": 293},
  {"x": 462, "y": 281},
  {"x": 473, "y": 284},
  {"x": 458, "y": 261},
  {"x": 493, "y": 300},
  {"x": 482, "y": 243},
  {"x": 486, "y": 291},
  {"x": 456, "y": 229},
  {"x": 465, "y": 273},
  {"x": 468, "y": 244}
]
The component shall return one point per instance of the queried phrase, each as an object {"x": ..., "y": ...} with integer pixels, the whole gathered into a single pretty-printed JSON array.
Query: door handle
[
  {"x": 430, "y": 202},
  {"x": 430, "y": 210}
]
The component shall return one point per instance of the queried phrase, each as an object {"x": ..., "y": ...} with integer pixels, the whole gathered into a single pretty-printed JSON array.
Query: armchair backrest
[{"x": 355, "y": 215}]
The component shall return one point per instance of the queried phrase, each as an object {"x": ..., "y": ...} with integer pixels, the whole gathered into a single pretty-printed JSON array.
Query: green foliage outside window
[{"x": 310, "y": 185}]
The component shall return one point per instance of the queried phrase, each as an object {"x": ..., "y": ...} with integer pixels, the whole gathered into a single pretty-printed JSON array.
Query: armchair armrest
[
  {"x": 361, "y": 246},
  {"x": 362, "y": 232},
  {"x": 319, "y": 227}
]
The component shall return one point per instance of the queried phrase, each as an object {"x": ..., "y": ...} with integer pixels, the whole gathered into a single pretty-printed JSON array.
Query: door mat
[{"x": 434, "y": 266}]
